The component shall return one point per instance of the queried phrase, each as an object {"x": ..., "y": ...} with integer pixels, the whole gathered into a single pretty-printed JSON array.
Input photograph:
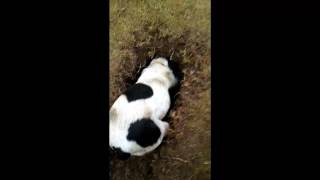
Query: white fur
[{"x": 160, "y": 78}]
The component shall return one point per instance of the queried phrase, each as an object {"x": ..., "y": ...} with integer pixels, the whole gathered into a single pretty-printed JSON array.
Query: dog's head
[
  {"x": 160, "y": 61},
  {"x": 171, "y": 64}
]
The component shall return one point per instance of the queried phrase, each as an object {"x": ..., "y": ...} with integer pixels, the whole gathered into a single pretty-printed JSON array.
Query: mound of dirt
[{"x": 185, "y": 153}]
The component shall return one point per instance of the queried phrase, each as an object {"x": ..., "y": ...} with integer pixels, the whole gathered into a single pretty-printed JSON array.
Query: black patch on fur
[
  {"x": 177, "y": 71},
  {"x": 145, "y": 132},
  {"x": 138, "y": 91}
]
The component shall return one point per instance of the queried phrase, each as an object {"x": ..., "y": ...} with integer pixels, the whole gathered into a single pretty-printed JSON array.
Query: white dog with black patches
[{"x": 135, "y": 125}]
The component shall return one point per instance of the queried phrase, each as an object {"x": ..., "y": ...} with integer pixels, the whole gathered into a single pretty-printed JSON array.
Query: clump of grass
[
  {"x": 152, "y": 25},
  {"x": 169, "y": 18}
]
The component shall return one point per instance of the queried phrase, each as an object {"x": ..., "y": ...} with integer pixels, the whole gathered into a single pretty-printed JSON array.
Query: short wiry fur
[{"x": 136, "y": 125}]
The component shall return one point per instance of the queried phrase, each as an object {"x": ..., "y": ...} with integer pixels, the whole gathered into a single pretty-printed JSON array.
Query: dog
[{"x": 136, "y": 125}]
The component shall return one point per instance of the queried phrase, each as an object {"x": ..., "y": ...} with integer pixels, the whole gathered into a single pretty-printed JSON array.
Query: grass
[
  {"x": 138, "y": 31},
  {"x": 169, "y": 18}
]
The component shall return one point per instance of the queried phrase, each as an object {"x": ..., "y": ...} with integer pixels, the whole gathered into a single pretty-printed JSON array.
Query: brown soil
[{"x": 185, "y": 153}]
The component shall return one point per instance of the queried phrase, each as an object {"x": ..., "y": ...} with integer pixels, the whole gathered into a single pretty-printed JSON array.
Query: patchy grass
[{"x": 138, "y": 31}]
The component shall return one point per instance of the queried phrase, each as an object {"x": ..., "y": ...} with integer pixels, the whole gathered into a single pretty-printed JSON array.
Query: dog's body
[{"x": 136, "y": 125}]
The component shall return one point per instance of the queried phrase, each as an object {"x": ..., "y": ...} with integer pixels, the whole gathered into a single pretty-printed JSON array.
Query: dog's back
[{"x": 135, "y": 118}]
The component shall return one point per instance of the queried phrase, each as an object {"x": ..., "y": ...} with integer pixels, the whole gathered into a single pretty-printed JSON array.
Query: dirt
[{"x": 185, "y": 153}]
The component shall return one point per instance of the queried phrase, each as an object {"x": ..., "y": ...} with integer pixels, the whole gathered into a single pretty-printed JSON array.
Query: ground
[{"x": 139, "y": 29}]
